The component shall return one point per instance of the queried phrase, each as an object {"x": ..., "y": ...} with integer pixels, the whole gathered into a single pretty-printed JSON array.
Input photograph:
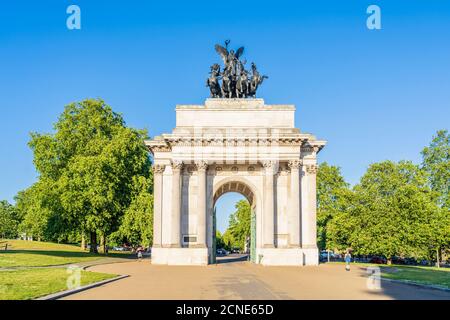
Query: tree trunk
[
  {"x": 104, "y": 246},
  {"x": 93, "y": 248},
  {"x": 103, "y": 243},
  {"x": 389, "y": 261},
  {"x": 437, "y": 257},
  {"x": 83, "y": 241}
]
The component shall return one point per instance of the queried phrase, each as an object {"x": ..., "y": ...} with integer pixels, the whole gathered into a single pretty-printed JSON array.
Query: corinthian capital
[
  {"x": 268, "y": 164},
  {"x": 177, "y": 164},
  {"x": 295, "y": 163},
  {"x": 201, "y": 165},
  {"x": 158, "y": 168},
  {"x": 311, "y": 168}
]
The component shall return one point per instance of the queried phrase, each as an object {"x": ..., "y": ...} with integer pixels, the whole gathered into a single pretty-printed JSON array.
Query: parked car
[
  {"x": 235, "y": 250},
  {"x": 378, "y": 260},
  {"x": 222, "y": 252},
  {"x": 324, "y": 255},
  {"x": 88, "y": 247},
  {"x": 410, "y": 261},
  {"x": 425, "y": 262},
  {"x": 118, "y": 249}
]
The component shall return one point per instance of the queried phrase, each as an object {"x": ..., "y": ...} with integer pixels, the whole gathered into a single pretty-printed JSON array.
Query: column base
[
  {"x": 174, "y": 245},
  {"x": 197, "y": 246},
  {"x": 180, "y": 256},
  {"x": 287, "y": 257}
]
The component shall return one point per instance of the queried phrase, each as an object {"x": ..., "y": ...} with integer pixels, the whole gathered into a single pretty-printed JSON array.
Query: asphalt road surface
[{"x": 232, "y": 278}]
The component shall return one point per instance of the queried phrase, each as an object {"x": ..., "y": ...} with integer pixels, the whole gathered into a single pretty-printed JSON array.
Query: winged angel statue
[{"x": 237, "y": 82}]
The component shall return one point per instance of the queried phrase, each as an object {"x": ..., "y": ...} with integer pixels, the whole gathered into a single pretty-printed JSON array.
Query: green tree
[
  {"x": 333, "y": 196},
  {"x": 137, "y": 223},
  {"x": 91, "y": 162},
  {"x": 9, "y": 220},
  {"x": 219, "y": 240},
  {"x": 228, "y": 240},
  {"x": 392, "y": 213},
  {"x": 436, "y": 161},
  {"x": 37, "y": 206},
  {"x": 240, "y": 223}
]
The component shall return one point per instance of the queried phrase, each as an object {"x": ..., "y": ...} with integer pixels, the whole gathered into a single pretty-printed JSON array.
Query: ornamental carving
[
  {"x": 223, "y": 142},
  {"x": 201, "y": 165},
  {"x": 268, "y": 164},
  {"x": 158, "y": 168},
  {"x": 160, "y": 149},
  {"x": 309, "y": 148},
  {"x": 311, "y": 168},
  {"x": 295, "y": 164},
  {"x": 177, "y": 165}
]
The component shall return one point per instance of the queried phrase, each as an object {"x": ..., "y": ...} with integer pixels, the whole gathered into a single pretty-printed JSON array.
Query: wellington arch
[{"x": 235, "y": 145}]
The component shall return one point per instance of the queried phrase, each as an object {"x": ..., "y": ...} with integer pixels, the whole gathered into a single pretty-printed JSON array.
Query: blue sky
[{"x": 373, "y": 94}]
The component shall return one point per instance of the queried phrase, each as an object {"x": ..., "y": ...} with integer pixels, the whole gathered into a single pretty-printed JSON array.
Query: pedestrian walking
[
  {"x": 139, "y": 253},
  {"x": 348, "y": 259}
]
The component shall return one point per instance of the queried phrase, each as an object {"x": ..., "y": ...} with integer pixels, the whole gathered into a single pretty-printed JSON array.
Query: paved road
[{"x": 244, "y": 280}]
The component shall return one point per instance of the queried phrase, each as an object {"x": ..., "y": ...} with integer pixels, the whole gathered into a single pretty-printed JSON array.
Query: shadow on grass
[
  {"x": 68, "y": 254},
  {"x": 408, "y": 275}
]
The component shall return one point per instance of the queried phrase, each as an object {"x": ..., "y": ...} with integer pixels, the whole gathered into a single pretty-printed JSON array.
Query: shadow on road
[{"x": 232, "y": 258}]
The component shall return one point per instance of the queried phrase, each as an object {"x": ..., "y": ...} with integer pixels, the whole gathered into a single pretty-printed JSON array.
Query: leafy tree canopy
[
  {"x": 240, "y": 223},
  {"x": 393, "y": 213},
  {"x": 436, "y": 161},
  {"x": 91, "y": 162},
  {"x": 333, "y": 196},
  {"x": 9, "y": 220}
]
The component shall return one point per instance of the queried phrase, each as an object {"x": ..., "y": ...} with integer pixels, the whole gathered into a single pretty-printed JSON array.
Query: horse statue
[
  {"x": 242, "y": 85},
  {"x": 227, "y": 85},
  {"x": 255, "y": 81},
  {"x": 213, "y": 82}
]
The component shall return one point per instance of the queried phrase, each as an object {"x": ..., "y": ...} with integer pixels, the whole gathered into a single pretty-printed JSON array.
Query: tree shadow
[
  {"x": 68, "y": 254},
  {"x": 406, "y": 291},
  {"x": 231, "y": 259}
]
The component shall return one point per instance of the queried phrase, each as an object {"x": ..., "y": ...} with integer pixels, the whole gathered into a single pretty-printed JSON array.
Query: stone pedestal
[
  {"x": 235, "y": 145},
  {"x": 180, "y": 256}
]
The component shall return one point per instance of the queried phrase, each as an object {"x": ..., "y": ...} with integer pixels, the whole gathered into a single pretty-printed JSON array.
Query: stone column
[
  {"x": 157, "y": 204},
  {"x": 268, "y": 217},
  {"x": 201, "y": 205},
  {"x": 294, "y": 218},
  {"x": 309, "y": 218},
  {"x": 176, "y": 204}
]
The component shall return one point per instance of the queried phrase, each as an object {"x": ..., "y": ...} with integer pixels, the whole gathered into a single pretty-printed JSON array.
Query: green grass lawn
[
  {"x": 418, "y": 274},
  {"x": 29, "y": 283},
  {"x": 33, "y": 283},
  {"x": 39, "y": 254}
]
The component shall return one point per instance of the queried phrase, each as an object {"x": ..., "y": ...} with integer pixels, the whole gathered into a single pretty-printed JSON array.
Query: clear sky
[{"x": 372, "y": 94}]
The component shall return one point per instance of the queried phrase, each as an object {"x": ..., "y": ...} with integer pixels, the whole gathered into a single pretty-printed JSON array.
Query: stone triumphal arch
[{"x": 239, "y": 145}]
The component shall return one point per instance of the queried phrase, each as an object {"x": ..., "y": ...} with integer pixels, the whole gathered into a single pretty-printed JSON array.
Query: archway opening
[{"x": 234, "y": 223}]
